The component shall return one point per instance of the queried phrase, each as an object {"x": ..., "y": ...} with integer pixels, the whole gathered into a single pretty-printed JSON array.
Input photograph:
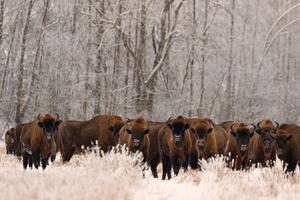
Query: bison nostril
[{"x": 244, "y": 147}]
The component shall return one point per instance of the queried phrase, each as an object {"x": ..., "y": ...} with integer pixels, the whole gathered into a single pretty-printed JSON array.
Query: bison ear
[
  {"x": 258, "y": 131},
  {"x": 128, "y": 131},
  {"x": 40, "y": 124},
  {"x": 186, "y": 126},
  {"x": 193, "y": 130},
  {"x": 146, "y": 131},
  {"x": 273, "y": 136},
  {"x": 57, "y": 123},
  {"x": 209, "y": 130},
  {"x": 111, "y": 128},
  {"x": 233, "y": 133},
  {"x": 251, "y": 134},
  {"x": 288, "y": 137},
  {"x": 169, "y": 125}
]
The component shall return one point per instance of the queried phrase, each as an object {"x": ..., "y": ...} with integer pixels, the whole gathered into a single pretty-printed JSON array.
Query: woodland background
[{"x": 222, "y": 59}]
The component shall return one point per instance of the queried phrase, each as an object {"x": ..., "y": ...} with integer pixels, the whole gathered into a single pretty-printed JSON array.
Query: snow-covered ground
[{"x": 117, "y": 176}]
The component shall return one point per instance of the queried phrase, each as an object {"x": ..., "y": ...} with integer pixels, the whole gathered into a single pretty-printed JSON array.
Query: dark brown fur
[
  {"x": 239, "y": 135},
  {"x": 174, "y": 145},
  {"x": 36, "y": 145},
  {"x": 75, "y": 134},
  {"x": 262, "y": 145},
  {"x": 208, "y": 140},
  {"x": 135, "y": 136},
  {"x": 9, "y": 141},
  {"x": 287, "y": 140}
]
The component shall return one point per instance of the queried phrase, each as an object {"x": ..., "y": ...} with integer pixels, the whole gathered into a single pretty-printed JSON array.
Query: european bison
[
  {"x": 37, "y": 140},
  {"x": 75, "y": 134},
  {"x": 238, "y": 142},
  {"x": 208, "y": 140},
  {"x": 153, "y": 155},
  {"x": 17, "y": 141},
  {"x": 9, "y": 141},
  {"x": 262, "y": 145},
  {"x": 135, "y": 136},
  {"x": 287, "y": 140},
  {"x": 174, "y": 145}
]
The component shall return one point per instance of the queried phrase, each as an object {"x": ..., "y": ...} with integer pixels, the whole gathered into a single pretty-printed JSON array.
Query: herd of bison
[{"x": 178, "y": 142}]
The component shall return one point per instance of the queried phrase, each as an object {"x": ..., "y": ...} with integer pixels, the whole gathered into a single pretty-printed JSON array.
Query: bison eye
[{"x": 128, "y": 131}]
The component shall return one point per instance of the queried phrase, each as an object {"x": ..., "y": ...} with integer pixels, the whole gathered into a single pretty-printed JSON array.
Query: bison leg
[
  {"x": 176, "y": 166},
  {"x": 194, "y": 161},
  {"x": 26, "y": 157},
  {"x": 68, "y": 153},
  {"x": 36, "y": 159},
  {"x": 166, "y": 161},
  {"x": 153, "y": 165},
  {"x": 44, "y": 163},
  {"x": 291, "y": 167},
  {"x": 186, "y": 164},
  {"x": 30, "y": 162}
]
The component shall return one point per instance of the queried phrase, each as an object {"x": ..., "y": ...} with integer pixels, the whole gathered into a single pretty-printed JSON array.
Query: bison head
[
  {"x": 49, "y": 124},
  {"x": 138, "y": 129},
  {"x": 115, "y": 126},
  {"x": 242, "y": 134},
  {"x": 281, "y": 138},
  {"x": 178, "y": 126},
  {"x": 202, "y": 129},
  {"x": 265, "y": 129}
]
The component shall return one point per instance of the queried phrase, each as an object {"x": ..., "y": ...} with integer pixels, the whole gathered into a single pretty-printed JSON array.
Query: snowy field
[{"x": 115, "y": 177}]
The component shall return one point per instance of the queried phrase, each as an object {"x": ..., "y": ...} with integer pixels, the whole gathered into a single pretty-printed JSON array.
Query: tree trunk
[
  {"x": 139, "y": 63},
  {"x": 19, "y": 115},
  {"x": 117, "y": 57},
  {"x": 200, "y": 110},
  {"x": 99, "y": 63},
  {"x": 229, "y": 85},
  {"x": 88, "y": 62},
  {"x": 7, "y": 61},
  {"x": 37, "y": 57},
  {"x": 1, "y": 20}
]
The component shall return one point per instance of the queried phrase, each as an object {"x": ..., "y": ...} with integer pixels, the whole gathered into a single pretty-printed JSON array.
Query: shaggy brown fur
[
  {"x": 262, "y": 145},
  {"x": 287, "y": 140},
  {"x": 208, "y": 139},
  {"x": 9, "y": 141},
  {"x": 74, "y": 134},
  {"x": 37, "y": 139},
  {"x": 174, "y": 145},
  {"x": 135, "y": 136},
  {"x": 238, "y": 142}
]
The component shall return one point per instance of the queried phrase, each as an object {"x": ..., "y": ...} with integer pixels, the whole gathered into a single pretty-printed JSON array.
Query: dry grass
[{"x": 116, "y": 176}]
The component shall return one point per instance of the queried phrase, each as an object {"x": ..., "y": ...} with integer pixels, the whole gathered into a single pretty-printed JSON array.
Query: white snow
[{"x": 117, "y": 176}]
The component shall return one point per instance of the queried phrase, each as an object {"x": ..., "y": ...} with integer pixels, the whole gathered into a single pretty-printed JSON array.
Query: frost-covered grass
[{"x": 118, "y": 176}]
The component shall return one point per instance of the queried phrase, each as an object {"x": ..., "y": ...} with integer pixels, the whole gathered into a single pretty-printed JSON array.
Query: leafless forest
[{"x": 224, "y": 59}]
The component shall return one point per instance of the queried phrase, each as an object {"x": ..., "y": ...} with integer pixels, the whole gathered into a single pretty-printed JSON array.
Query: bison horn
[
  {"x": 57, "y": 116},
  {"x": 232, "y": 126},
  {"x": 277, "y": 124},
  {"x": 258, "y": 124},
  {"x": 253, "y": 125},
  {"x": 38, "y": 117}
]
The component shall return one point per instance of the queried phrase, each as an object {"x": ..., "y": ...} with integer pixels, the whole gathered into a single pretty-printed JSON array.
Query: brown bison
[
  {"x": 37, "y": 139},
  {"x": 9, "y": 141},
  {"x": 153, "y": 155},
  {"x": 135, "y": 136},
  {"x": 208, "y": 140},
  {"x": 17, "y": 141},
  {"x": 238, "y": 143},
  {"x": 262, "y": 145},
  {"x": 74, "y": 134},
  {"x": 287, "y": 140},
  {"x": 174, "y": 145}
]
